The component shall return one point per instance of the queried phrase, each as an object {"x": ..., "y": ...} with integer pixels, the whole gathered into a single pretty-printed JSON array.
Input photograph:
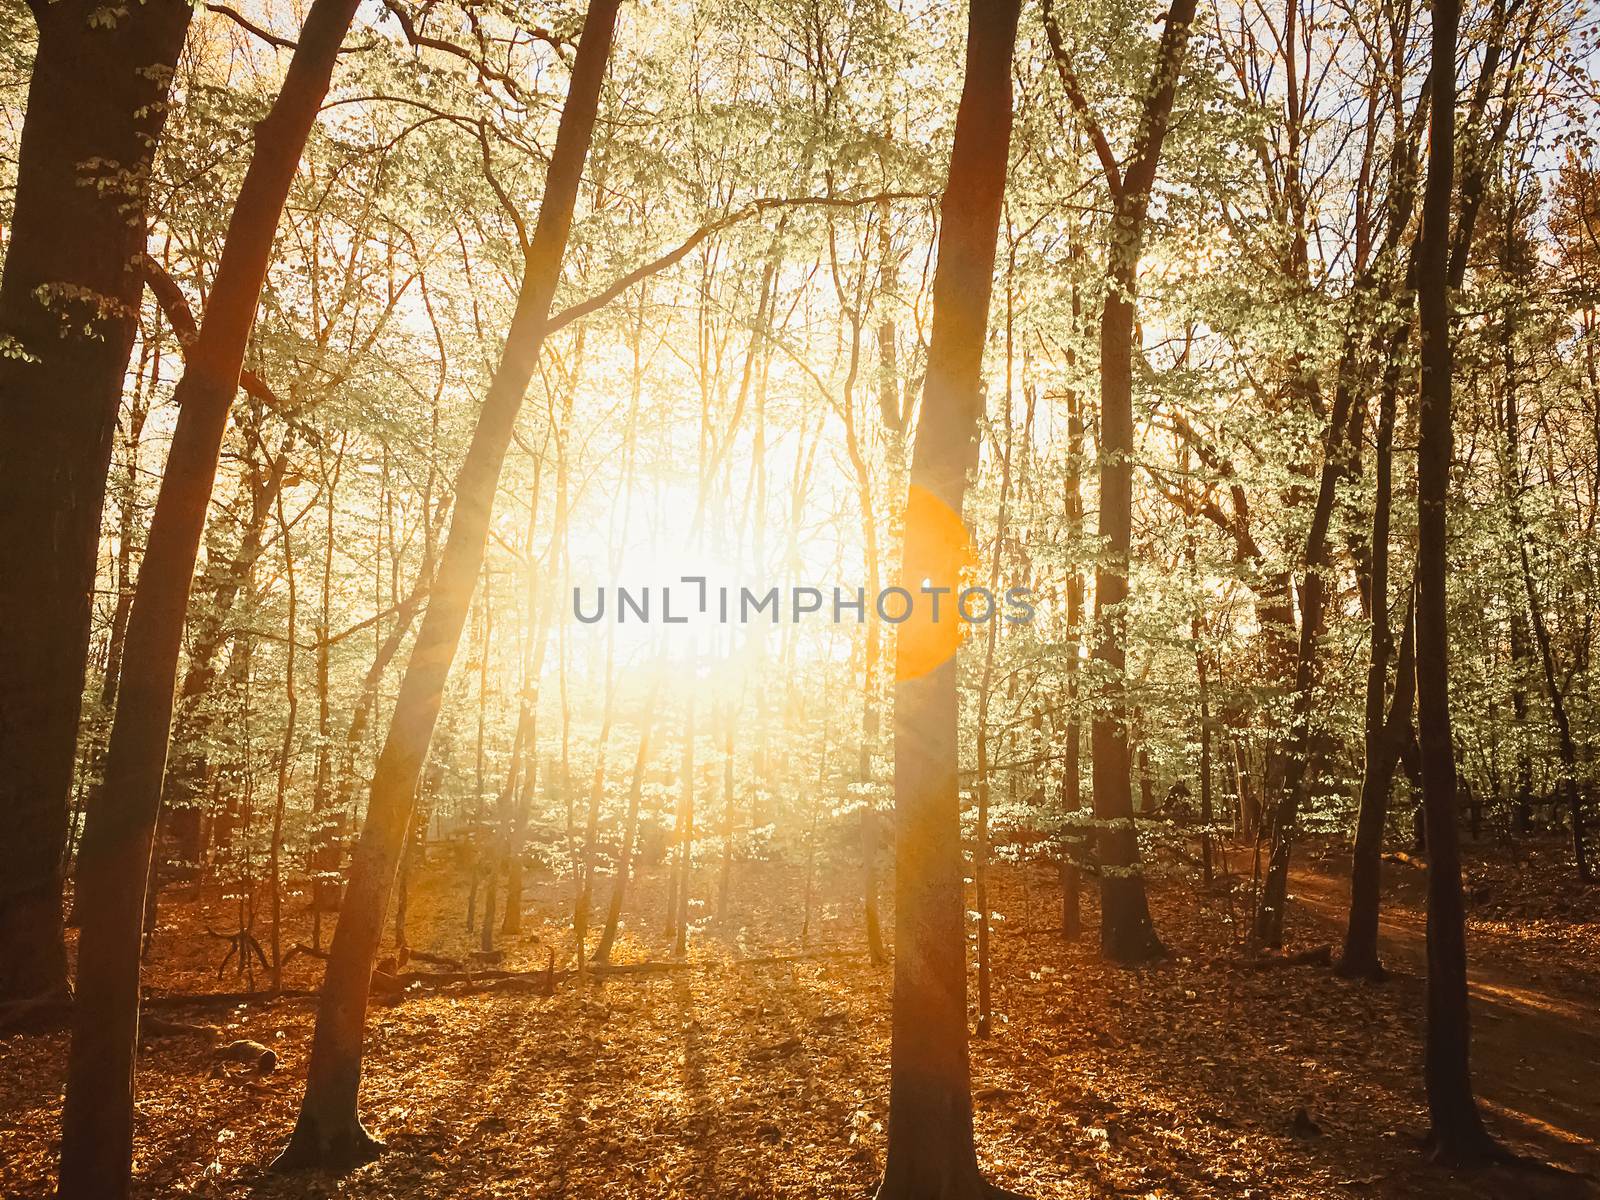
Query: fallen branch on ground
[{"x": 1317, "y": 956}]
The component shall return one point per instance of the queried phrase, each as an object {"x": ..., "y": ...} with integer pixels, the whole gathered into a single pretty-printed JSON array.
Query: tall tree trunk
[
  {"x": 630, "y": 831},
  {"x": 1381, "y": 747},
  {"x": 1359, "y": 959},
  {"x": 591, "y": 829},
  {"x": 1522, "y": 800},
  {"x": 1126, "y": 932},
  {"x": 725, "y": 876},
  {"x": 680, "y": 895},
  {"x": 931, "y": 1149},
  {"x": 1207, "y": 808},
  {"x": 329, "y": 1131},
  {"x": 1073, "y": 841},
  {"x": 1302, "y": 761},
  {"x": 327, "y": 826},
  {"x": 285, "y": 752},
  {"x": 114, "y": 863},
  {"x": 1457, "y": 1136},
  {"x": 985, "y": 785},
  {"x": 69, "y": 304}
]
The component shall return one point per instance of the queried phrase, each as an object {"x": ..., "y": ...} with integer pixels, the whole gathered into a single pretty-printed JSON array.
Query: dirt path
[{"x": 1536, "y": 1048}]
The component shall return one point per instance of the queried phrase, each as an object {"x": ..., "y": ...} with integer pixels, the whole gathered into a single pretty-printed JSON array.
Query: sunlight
[{"x": 691, "y": 565}]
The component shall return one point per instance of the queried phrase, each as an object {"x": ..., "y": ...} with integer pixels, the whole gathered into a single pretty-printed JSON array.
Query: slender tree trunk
[
  {"x": 725, "y": 877},
  {"x": 630, "y": 834},
  {"x": 1381, "y": 745},
  {"x": 114, "y": 863},
  {"x": 328, "y": 1131},
  {"x": 481, "y": 842},
  {"x": 539, "y": 604},
  {"x": 1360, "y": 956},
  {"x": 1074, "y": 843},
  {"x": 1126, "y": 932},
  {"x": 69, "y": 302},
  {"x": 1457, "y": 1137},
  {"x": 139, "y": 409},
  {"x": 1558, "y": 710},
  {"x": 1522, "y": 804},
  {"x": 985, "y": 784},
  {"x": 931, "y": 1149},
  {"x": 327, "y": 828},
  {"x": 591, "y": 829},
  {"x": 188, "y": 761},
  {"x": 980, "y": 870},
  {"x": 1207, "y": 809},
  {"x": 500, "y": 842},
  {"x": 285, "y": 752},
  {"x": 680, "y": 912},
  {"x": 1302, "y": 762}
]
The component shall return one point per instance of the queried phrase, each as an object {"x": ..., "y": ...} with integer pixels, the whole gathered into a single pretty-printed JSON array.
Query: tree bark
[
  {"x": 1073, "y": 841},
  {"x": 1126, "y": 932},
  {"x": 1302, "y": 760},
  {"x": 1457, "y": 1136},
  {"x": 1384, "y": 737},
  {"x": 329, "y": 1131},
  {"x": 69, "y": 304},
  {"x": 114, "y": 863},
  {"x": 931, "y": 1150}
]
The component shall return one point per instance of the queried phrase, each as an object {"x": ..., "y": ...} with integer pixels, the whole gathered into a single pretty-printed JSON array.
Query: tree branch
[
  {"x": 683, "y": 249},
  {"x": 175, "y": 307},
  {"x": 266, "y": 35},
  {"x": 1080, "y": 103}
]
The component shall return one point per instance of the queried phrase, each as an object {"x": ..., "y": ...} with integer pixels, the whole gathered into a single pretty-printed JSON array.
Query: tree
[
  {"x": 328, "y": 1131},
  {"x": 119, "y": 829},
  {"x": 931, "y": 1149},
  {"x": 69, "y": 303},
  {"x": 1126, "y": 932},
  {"x": 1457, "y": 1136}
]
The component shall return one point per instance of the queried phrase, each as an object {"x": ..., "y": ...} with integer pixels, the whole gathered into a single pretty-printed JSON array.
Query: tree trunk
[
  {"x": 1359, "y": 959},
  {"x": 329, "y": 1131},
  {"x": 69, "y": 303},
  {"x": 182, "y": 804},
  {"x": 630, "y": 833},
  {"x": 931, "y": 1149},
  {"x": 327, "y": 827},
  {"x": 1207, "y": 808},
  {"x": 683, "y": 836},
  {"x": 1381, "y": 743},
  {"x": 114, "y": 863},
  {"x": 1302, "y": 761},
  {"x": 1126, "y": 932},
  {"x": 1073, "y": 842},
  {"x": 725, "y": 875},
  {"x": 285, "y": 753},
  {"x": 591, "y": 828},
  {"x": 1457, "y": 1136}
]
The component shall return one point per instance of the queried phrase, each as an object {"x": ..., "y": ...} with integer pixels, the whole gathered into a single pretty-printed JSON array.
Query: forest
[{"x": 799, "y": 598}]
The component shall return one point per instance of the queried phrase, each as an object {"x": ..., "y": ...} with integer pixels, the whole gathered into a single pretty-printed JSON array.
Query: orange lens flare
[{"x": 939, "y": 554}]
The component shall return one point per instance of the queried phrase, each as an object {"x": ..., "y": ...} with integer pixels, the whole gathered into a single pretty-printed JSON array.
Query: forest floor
[{"x": 1201, "y": 1076}]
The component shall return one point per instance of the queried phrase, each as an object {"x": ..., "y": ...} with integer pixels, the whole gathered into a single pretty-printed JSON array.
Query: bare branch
[
  {"x": 676, "y": 255},
  {"x": 1080, "y": 103}
]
